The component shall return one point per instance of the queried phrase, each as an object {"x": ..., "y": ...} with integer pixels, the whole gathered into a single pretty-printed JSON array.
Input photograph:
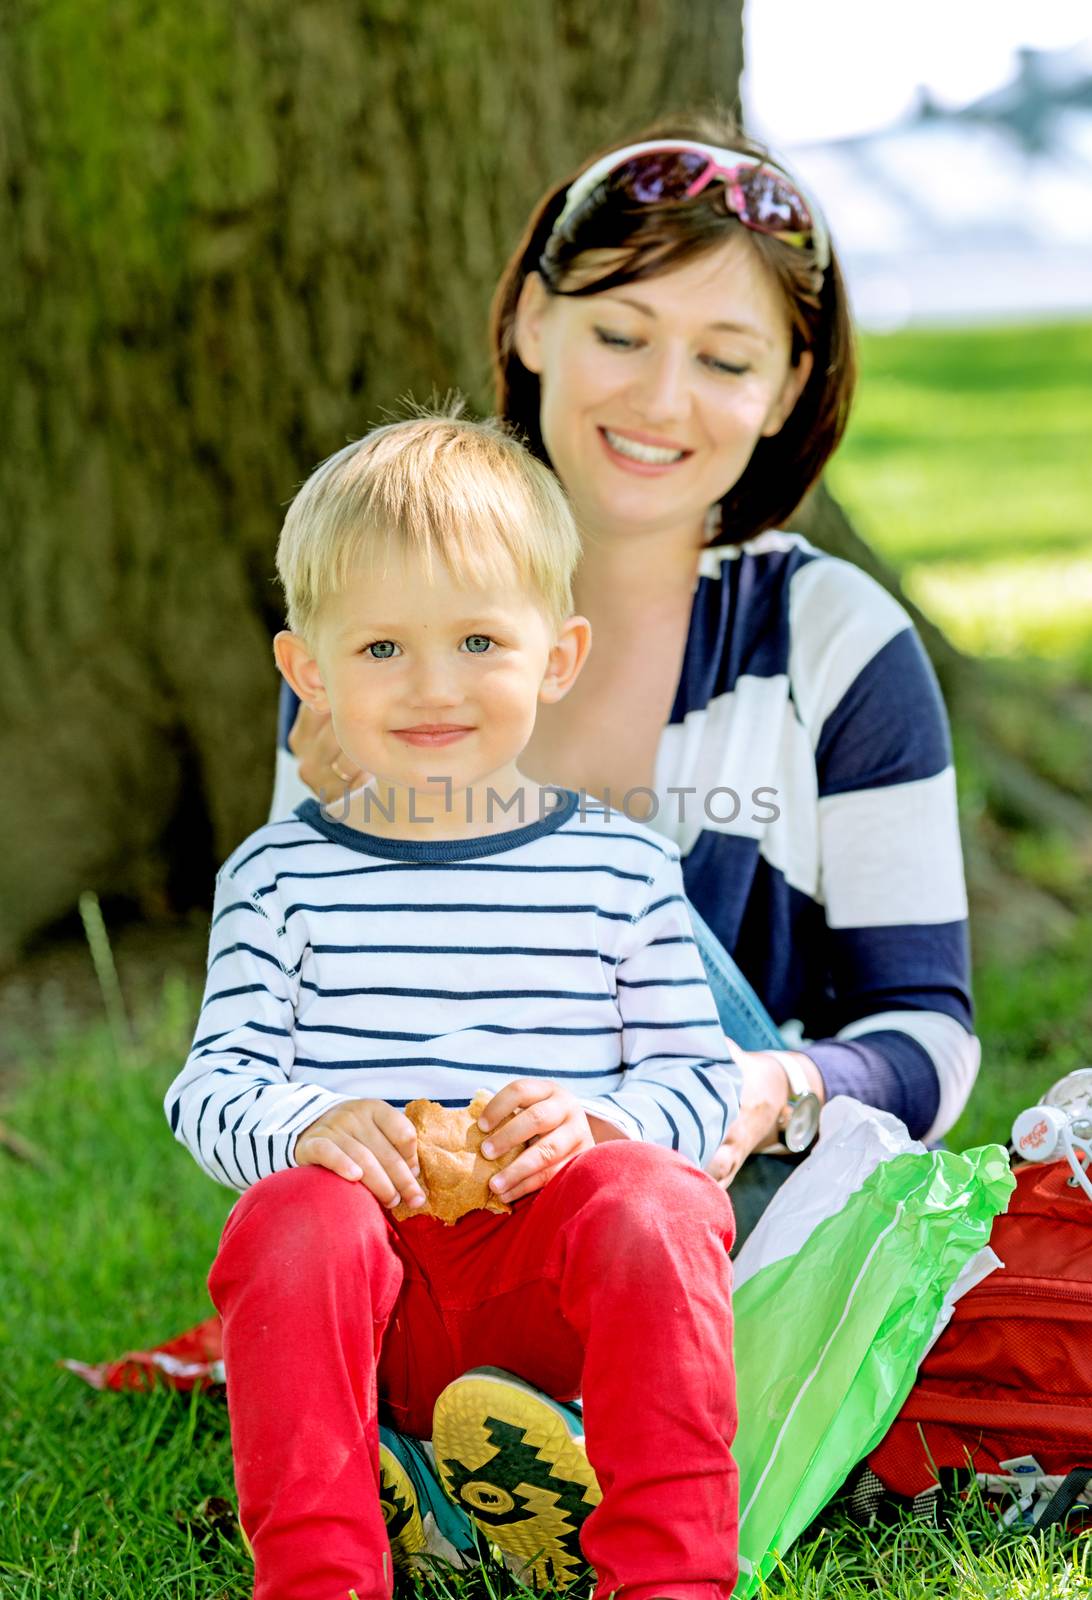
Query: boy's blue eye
[
  {"x": 381, "y": 650},
  {"x": 477, "y": 643}
]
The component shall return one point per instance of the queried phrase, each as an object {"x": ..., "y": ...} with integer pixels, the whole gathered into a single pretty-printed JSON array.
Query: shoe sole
[
  {"x": 401, "y": 1510},
  {"x": 507, "y": 1457}
]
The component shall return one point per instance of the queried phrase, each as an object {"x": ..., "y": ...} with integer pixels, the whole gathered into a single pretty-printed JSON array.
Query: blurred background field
[{"x": 968, "y": 465}]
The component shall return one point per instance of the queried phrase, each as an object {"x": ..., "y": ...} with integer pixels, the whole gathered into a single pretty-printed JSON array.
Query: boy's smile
[
  {"x": 433, "y": 685},
  {"x": 433, "y": 735}
]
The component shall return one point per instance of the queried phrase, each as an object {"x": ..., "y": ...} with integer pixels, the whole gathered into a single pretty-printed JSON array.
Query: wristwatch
[{"x": 799, "y": 1122}]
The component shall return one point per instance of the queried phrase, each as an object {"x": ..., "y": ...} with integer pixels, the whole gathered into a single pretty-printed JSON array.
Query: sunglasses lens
[
  {"x": 771, "y": 203},
  {"x": 664, "y": 175}
]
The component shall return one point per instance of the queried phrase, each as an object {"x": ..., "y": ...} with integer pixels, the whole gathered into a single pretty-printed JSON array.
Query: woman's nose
[{"x": 664, "y": 392}]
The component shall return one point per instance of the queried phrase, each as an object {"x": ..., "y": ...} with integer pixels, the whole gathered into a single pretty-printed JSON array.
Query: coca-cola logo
[{"x": 1035, "y": 1136}]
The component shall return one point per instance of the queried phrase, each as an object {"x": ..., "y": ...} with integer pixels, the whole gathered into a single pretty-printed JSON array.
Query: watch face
[{"x": 803, "y": 1124}]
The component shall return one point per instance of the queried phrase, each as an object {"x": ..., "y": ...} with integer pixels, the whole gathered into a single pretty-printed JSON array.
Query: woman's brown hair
[{"x": 647, "y": 240}]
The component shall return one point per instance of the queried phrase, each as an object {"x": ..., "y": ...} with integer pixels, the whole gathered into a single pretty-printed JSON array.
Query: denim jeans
[
  {"x": 742, "y": 1015},
  {"x": 745, "y": 1020}
]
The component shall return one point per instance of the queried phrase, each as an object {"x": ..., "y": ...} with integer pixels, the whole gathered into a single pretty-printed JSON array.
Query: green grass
[
  {"x": 113, "y": 1497},
  {"x": 967, "y": 464}
]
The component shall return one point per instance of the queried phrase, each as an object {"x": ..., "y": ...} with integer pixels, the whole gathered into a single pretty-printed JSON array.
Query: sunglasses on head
[{"x": 762, "y": 196}]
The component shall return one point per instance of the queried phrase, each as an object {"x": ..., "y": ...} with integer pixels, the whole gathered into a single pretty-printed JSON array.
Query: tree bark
[{"x": 230, "y": 236}]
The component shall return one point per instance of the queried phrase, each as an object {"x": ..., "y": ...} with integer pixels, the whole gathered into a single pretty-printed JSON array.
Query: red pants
[{"x": 613, "y": 1282}]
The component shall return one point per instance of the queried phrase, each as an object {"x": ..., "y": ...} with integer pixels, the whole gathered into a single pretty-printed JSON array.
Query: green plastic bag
[{"x": 828, "y": 1340}]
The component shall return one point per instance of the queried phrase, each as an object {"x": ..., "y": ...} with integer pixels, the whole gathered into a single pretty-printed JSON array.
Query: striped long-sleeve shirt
[
  {"x": 839, "y": 890},
  {"x": 345, "y": 966}
]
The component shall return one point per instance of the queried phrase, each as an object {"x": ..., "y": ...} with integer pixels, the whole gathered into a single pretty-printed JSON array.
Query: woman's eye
[
  {"x": 737, "y": 369},
  {"x": 620, "y": 341},
  {"x": 477, "y": 643},
  {"x": 381, "y": 650},
  {"x": 615, "y": 341}
]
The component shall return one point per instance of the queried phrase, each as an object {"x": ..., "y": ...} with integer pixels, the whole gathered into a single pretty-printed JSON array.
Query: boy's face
[{"x": 430, "y": 679}]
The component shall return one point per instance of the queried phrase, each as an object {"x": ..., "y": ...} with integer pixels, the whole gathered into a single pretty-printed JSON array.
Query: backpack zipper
[{"x": 1068, "y": 1290}]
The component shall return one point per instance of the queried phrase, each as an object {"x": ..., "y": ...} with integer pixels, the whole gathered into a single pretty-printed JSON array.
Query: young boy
[{"x": 459, "y": 927}]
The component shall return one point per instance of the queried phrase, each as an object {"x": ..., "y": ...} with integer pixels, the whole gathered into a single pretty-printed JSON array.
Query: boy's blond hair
[{"x": 437, "y": 486}]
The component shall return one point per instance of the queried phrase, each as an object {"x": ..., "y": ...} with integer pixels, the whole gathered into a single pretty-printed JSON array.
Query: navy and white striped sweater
[{"x": 344, "y": 966}]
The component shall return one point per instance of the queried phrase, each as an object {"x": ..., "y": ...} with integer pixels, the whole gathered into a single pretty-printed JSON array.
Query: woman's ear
[
  {"x": 300, "y": 670},
  {"x": 527, "y": 329},
  {"x": 568, "y": 655},
  {"x": 793, "y": 387}
]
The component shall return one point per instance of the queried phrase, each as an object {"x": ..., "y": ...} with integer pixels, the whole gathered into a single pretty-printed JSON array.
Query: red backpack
[{"x": 1006, "y": 1391}]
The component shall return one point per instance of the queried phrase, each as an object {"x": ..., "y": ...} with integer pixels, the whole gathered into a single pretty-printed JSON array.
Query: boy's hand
[
  {"x": 369, "y": 1142},
  {"x": 540, "y": 1111},
  {"x": 324, "y": 766}
]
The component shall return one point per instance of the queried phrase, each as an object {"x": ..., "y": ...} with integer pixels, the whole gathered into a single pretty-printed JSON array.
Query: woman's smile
[{"x": 635, "y": 452}]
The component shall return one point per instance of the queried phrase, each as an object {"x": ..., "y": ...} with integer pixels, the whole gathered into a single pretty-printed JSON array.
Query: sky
[{"x": 824, "y": 69}]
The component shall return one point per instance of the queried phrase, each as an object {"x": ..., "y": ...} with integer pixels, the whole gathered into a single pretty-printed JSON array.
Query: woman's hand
[
  {"x": 763, "y": 1098},
  {"x": 542, "y": 1112},
  {"x": 324, "y": 766}
]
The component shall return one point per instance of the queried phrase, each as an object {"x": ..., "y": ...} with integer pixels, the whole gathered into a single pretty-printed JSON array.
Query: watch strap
[{"x": 798, "y": 1078}]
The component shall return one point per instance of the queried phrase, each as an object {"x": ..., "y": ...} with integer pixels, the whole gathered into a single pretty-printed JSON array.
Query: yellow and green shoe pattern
[
  {"x": 514, "y": 1461},
  {"x": 401, "y": 1512}
]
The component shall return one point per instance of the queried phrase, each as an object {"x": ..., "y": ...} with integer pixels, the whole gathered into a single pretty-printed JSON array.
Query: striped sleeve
[
  {"x": 891, "y": 868},
  {"x": 234, "y": 1105},
  {"x": 680, "y": 1086}
]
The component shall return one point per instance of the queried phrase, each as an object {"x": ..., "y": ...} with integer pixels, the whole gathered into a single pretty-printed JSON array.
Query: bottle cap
[{"x": 1037, "y": 1133}]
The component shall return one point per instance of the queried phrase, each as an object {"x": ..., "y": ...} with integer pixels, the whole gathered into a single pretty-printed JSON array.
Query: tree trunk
[{"x": 230, "y": 236}]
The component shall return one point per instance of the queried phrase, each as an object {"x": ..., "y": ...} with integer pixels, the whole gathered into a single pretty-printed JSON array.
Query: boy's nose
[{"x": 435, "y": 684}]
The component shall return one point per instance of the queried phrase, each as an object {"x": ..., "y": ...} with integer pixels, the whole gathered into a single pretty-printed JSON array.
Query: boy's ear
[
  {"x": 566, "y": 659},
  {"x": 527, "y": 331},
  {"x": 300, "y": 670}
]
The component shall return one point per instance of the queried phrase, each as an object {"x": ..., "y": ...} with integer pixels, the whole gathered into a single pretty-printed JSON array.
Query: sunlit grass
[
  {"x": 1040, "y": 605},
  {"x": 967, "y": 463}
]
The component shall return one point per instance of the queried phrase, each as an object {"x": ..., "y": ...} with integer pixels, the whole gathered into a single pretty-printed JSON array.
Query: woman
[{"x": 672, "y": 336}]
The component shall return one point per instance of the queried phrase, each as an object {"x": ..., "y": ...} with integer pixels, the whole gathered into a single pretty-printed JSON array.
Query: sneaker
[
  {"x": 514, "y": 1461},
  {"x": 422, "y": 1524}
]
